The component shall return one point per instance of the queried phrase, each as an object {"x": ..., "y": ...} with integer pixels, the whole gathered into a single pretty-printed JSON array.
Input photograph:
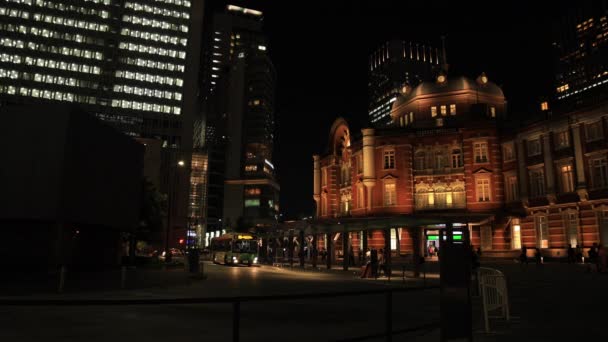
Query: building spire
[{"x": 444, "y": 57}]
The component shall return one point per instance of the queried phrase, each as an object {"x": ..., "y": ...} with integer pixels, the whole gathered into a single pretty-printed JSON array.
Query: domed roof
[{"x": 454, "y": 84}]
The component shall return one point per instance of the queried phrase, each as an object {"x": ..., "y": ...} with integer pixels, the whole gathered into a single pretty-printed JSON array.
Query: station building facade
[{"x": 453, "y": 157}]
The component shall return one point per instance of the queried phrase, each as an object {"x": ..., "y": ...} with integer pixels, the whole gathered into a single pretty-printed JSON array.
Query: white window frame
[
  {"x": 480, "y": 150},
  {"x": 388, "y": 159},
  {"x": 541, "y": 189},
  {"x": 515, "y": 233},
  {"x": 389, "y": 197},
  {"x": 481, "y": 193},
  {"x": 566, "y": 177},
  {"x": 571, "y": 228}
]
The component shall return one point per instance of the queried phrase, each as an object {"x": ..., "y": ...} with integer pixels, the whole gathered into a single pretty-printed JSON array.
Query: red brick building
[{"x": 449, "y": 159}]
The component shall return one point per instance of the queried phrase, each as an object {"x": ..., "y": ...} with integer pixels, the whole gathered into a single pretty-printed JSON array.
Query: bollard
[
  {"x": 123, "y": 277},
  {"x": 62, "y": 272}
]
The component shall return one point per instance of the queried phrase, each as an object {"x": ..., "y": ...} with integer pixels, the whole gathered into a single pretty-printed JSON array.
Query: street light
[{"x": 172, "y": 191}]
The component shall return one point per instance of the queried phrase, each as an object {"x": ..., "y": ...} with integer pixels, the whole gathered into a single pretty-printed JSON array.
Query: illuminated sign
[
  {"x": 269, "y": 163},
  {"x": 245, "y": 237}
]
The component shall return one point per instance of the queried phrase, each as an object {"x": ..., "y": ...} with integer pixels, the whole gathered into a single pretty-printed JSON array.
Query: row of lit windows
[
  {"x": 49, "y": 63},
  {"x": 152, "y": 50},
  {"x": 19, "y": 44},
  {"x": 148, "y": 63},
  {"x": 154, "y": 23},
  {"x": 14, "y": 13},
  {"x": 123, "y": 88},
  {"x": 443, "y": 110},
  {"x": 60, "y": 80},
  {"x": 157, "y": 10},
  {"x": 46, "y": 33},
  {"x": 78, "y": 9},
  {"x": 583, "y": 89},
  {"x": 40, "y": 93},
  {"x": 153, "y": 107},
  {"x": 82, "y": 24},
  {"x": 185, "y": 3},
  {"x": 150, "y": 78},
  {"x": 154, "y": 36}
]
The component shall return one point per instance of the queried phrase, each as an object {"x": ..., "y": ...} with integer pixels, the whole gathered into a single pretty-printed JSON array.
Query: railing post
[
  {"x": 389, "y": 316},
  {"x": 236, "y": 315},
  {"x": 123, "y": 277},
  {"x": 62, "y": 272}
]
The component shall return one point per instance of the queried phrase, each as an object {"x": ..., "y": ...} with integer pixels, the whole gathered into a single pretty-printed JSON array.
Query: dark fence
[{"x": 236, "y": 306}]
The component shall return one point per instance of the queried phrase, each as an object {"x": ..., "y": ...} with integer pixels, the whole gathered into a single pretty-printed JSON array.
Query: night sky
[{"x": 321, "y": 50}]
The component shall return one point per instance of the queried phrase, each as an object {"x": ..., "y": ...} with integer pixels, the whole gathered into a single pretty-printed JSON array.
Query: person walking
[
  {"x": 381, "y": 263},
  {"x": 571, "y": 254},
  {"x": 602, "y": 259},
  {"x": 523, "y": 256},
  {"x": 537, "y": 256},
  {"x": 374, "y": 262}
]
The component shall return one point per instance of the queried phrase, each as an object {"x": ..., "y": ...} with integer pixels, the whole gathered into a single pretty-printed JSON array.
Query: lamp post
[{"x": 172, "y": 192}]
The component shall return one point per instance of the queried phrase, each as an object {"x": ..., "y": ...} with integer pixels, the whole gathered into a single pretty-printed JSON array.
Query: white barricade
[{"x": 494, "y": 296}]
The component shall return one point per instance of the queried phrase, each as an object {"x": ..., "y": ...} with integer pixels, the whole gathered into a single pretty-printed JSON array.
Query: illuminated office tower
[
  {"x": 581, "y": 48},
  {"x": 238, "y": 90},
  {"x": 395, "y": 65},
  {"x": 134, "y": 64}
]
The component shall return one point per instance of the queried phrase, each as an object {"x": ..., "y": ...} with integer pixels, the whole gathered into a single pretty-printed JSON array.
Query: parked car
[{"x": 177, "y": 256}]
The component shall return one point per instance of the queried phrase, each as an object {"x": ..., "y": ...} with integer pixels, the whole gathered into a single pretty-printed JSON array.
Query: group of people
[
  {"x": 375, "y": 263},
  {"x": 597, "y": 256}
]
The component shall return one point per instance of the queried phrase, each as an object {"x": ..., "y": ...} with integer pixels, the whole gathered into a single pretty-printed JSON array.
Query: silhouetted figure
[
  {"x": 351, "y": 257},
  {"x": 602, "y": 259},
  {"x": 475, "y": 259},
  {"x": 571, "y": 254},
  {"x": 374, "y": 262},
  {"x": 537, "y": 256},
  {"x": 314, "y": 253},
  {"x": 523, "y": 256}
]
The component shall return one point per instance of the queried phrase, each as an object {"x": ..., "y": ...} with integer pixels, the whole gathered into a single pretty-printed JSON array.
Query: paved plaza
[{"x": 550, "y": 301}]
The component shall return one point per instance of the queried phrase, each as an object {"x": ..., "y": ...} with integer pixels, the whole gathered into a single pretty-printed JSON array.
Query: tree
[{"x": 153, "y": 210}]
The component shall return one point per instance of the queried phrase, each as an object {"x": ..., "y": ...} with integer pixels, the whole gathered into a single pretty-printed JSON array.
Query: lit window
[
  {"x": 493, "y": 111},
  {"x": 433, "y": 111},
  {"x": 390, "y": 193},
  {"x": 483, "y": 190},
  {"x": 389, "y": 159},
  {"x": 480, "y": 152},
  {"x": 251, "y": 168},
  {"x": 567, "y": 178},
  {"x": 452, "y": 109},
  {"x": 544, "y": 106},
  {"x": 444, "y": 110},
  {"x": 542, "y": 232}
]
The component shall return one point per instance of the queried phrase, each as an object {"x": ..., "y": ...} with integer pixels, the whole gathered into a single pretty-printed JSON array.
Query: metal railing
[
  {"x": 492, "y": 286},
  {"x": 235, "y": 302}
]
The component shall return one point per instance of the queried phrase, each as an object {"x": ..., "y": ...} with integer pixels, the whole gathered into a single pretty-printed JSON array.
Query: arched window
[
  {"x": 440, "y": 198},
  {"x": 440, "y": 160},
  {"x": 458, "y": 198}
]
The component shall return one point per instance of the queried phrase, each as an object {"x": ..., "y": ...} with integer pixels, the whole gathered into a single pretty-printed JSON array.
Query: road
[{"x": 292, "y": 320}]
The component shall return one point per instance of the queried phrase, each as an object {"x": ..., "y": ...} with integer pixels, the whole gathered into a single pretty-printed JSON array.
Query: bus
[{"x": 234, "y": 249}]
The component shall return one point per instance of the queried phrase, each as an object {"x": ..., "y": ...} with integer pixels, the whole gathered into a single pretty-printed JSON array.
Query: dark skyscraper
[
  {"x": 239, "y": 86},
  {"x": 582, "y": 52},
  {"x": 391, "y": 67}
]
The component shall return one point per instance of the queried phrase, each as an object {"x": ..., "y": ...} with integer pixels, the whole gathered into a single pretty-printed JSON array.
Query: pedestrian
[
  {"x": 602, "y": 259},
  {"x": 381, "y": 262},
  {"x": 523, "y": 256},
  {"x": 475, "y": 259},
  {"x": 374, "y": 262},
  {"x": 571, "y": 254},
  {"x": 537, "y": 256},
  {"x": 351, "y": 256},
  {"x": 314, "y": 254},
  {"x": 593, "y": 257}
]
